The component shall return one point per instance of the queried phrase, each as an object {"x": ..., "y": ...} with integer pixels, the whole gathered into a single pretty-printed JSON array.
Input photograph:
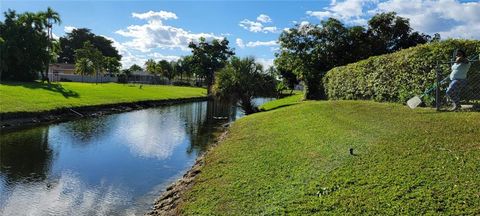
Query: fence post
[{"x": 437, "y": 89}]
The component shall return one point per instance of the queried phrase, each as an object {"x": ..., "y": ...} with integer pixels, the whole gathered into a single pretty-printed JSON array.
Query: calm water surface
[{"x": 116, "y": 164}]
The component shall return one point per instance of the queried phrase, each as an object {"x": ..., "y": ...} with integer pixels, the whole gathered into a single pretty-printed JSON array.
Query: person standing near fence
[{"x": 458, "y": 78}]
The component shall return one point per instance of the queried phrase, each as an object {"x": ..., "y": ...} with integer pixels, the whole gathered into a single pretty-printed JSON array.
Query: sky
[{"x": 160, "y": 30}]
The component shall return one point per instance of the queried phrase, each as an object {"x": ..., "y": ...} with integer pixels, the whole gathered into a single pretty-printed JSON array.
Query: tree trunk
[
  {"x": 49, "y": 32},
  {"x": 314, "y": 88},
  {"x": 247, "y": 105}
]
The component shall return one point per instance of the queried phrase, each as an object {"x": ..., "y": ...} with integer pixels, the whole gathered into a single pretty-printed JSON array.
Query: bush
[{"x": 398, "y": 76}]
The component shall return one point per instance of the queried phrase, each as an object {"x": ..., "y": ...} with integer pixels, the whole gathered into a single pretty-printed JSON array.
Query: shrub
[{"x": 398, "y": 76}]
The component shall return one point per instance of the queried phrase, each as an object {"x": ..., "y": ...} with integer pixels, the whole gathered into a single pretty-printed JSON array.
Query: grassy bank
[
  {"x": 34, "y": 97},
  {"x": 296, "y": 160}
]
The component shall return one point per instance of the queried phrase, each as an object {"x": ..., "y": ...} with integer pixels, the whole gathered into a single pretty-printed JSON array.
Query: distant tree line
[{"x": 27, "y": 47}]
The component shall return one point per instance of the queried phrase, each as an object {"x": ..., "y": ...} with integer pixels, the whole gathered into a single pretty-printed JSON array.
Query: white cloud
[
  {"x": 158, "y": 56},
  {"x": 258, "y": 26},
  {"x": 155, "y": 34},
  {"x": 68, "y": 29},
  {"x": 165, "y": 15},
  {"x": 130, "y": 57},
  {"x": 304, "y": 23},
  {"x": 240, "y": 43},
  {"x": 56, "y": 37},
  {"x": 348, "y": 11},
  {"x": 265, "y": 62},
  {"x": 67, "y": 195},
  {"x": 262, "y": 43},
  {"x": 450, "y": 18},
  {"x": 263, "y": 18}
]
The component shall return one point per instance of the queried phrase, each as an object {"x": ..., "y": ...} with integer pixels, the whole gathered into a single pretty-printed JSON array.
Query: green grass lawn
[
  {"x": 295, "y": 160},
  {"x": 283, "y": 102},
  {"x": 34, "y": 97}
]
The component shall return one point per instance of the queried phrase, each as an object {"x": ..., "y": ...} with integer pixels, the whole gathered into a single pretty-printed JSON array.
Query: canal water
[{"x": 110, "y": 165}]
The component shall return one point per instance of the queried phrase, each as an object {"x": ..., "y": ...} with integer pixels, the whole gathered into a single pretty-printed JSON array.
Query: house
[
  {"x": 66, "y": 72},
  {"x": 61, "y": 68}
]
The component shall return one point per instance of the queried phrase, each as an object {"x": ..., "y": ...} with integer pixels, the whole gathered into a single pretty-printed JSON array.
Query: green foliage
[
  {"x": 242, "y": 80},
  {"x": 77, "y": 38},
  {"x": 37, "y": 96},
  {"x": 24, "y": 50},
  {"x": 84, "y": 66},
  {"x": 209, "y": 57},
  {"x": 398, "y": 76},
  {"x": 166, "y": 69},
  {"x": 93, "y": 56},
  {"x": 112, "y": 65},
  {"x": 135, "y": 68},
  {"x": 50, "y": 17},
  {"x": 152, "y": 67},
  {"x": 392, "y": 33},
  {"x": 310, "y": 50},
  {"x": 296, "y": 161}
]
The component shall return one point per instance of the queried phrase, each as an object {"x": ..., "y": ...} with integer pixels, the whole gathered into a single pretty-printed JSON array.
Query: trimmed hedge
[{"x": 398, "y": 76}]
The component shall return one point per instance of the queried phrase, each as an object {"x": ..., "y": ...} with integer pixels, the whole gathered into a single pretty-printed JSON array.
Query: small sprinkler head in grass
[{"x": 351, "y": 151}]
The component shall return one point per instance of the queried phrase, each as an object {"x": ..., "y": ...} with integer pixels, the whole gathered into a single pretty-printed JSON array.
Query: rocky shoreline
[
  {"x": 17, "y": 120},
  {"x": 169, "y": 201}
]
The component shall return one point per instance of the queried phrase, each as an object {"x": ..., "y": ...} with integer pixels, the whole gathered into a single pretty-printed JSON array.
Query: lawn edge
[
  {"x": 169, "y": 201},
  {"x": 17, "y": 120}
]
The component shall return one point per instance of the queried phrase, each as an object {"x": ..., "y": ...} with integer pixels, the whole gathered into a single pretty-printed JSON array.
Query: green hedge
[{"x": 398, "y": 76}]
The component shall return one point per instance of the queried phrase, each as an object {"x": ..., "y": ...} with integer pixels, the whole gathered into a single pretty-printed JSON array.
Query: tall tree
[
  {"x": 389, "y": 33},
  {"x": 84, "y": 66},
  {"x": 112, "y": 65},
  {"x": 166, "y": 69},
  {"x": 93, "y": 55},
  {"x": 299, "y": 48},
  {"x": 24, "y": 48},
  {"x": 135, "y": 68},
  {"x": 75, "y": 40},
  {"x": 210, "y": 57},
  {"x": 50, "y": 17},
  {"x": 152, "y": 67}
]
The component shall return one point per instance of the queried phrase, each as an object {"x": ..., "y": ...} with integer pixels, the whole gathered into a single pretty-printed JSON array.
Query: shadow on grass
[
  {"x": 54, "y": 87},
  {"x": 277, "y": 107}
]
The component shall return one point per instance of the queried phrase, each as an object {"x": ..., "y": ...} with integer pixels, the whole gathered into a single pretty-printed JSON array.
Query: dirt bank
[
  {"x": 16, "y": 120},
  {"x": 168, "y": 202}
]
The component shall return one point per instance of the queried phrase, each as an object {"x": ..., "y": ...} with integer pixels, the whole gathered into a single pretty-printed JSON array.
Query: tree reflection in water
[{"x": 25, "y": 155}]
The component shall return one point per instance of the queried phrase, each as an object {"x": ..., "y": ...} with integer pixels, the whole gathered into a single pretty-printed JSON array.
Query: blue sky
[{"x": 162, "y": 29}]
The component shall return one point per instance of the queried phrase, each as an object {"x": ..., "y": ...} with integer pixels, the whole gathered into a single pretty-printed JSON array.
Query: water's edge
[
  {"x": 168, "y": 201},
  {"x": 19, "y": 120}
]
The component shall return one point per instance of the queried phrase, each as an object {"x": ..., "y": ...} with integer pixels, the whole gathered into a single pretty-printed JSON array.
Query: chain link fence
[{"x": 469, "y": 93}]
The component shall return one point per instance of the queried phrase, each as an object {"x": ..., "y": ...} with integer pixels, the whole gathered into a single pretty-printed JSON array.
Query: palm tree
[
  {"x": 152, "y": 67},
  {"x": 241, "y": 80},
  {"x": 84, "y": 66},
  {"x": 49, "y": 18}
]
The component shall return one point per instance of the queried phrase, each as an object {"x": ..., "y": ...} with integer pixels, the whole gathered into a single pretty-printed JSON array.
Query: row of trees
[
  {"x": 26, "y": 44},
  {"x": 308, "y": 51},
  {"x": 207, "y": 57},
  {"x": 27, "y": 47},
  {"x": 227, "y": 77},
  {"x": 90, "y": 60}
]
